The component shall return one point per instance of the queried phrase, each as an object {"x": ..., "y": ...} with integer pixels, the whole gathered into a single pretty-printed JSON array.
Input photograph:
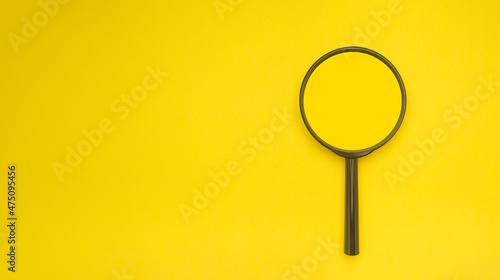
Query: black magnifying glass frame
[{"x": 351, "y": 242}]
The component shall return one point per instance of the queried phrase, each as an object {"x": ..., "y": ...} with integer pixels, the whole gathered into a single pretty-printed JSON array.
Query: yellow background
[{"x": 117, "y": 215}]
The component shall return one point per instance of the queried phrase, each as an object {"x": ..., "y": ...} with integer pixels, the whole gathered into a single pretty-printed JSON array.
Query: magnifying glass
[{"x": 352, "y": 101}]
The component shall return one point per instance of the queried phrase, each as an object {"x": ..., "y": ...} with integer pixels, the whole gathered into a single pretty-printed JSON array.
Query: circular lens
[{"x": 352, "y": 100}]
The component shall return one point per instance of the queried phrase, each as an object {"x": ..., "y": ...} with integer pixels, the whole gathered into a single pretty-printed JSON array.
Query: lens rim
[{"x": 366, "y": 151}]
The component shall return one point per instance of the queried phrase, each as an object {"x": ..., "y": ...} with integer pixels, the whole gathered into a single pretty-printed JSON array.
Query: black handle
[{"x": 351, "y": 245}]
